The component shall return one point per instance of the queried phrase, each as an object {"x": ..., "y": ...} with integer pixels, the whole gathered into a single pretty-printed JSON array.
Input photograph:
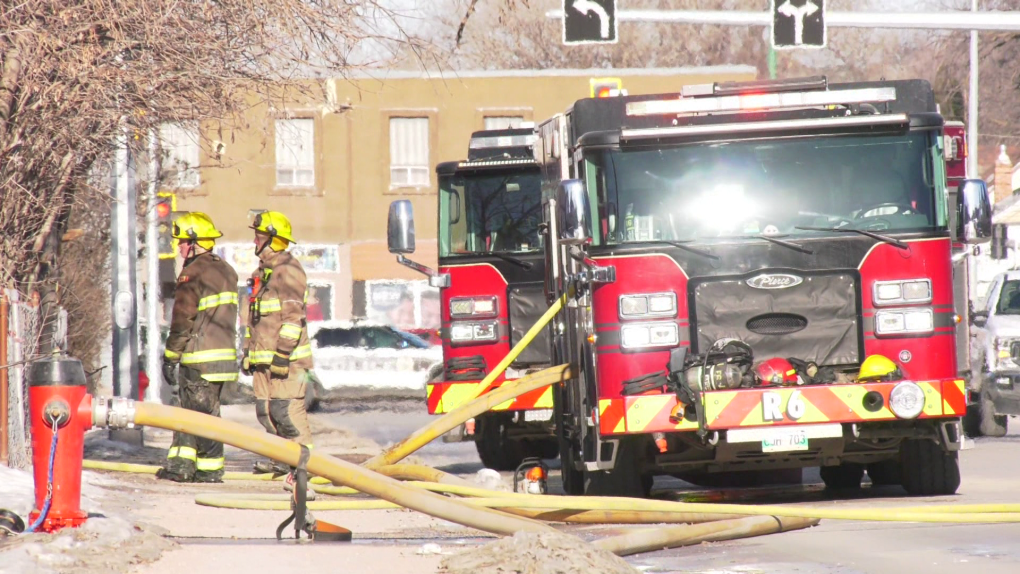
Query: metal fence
[{"x": 24, "y": 321}]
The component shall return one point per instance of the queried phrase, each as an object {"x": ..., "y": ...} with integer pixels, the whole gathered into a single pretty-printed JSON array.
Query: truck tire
[
  {"x": 929, "y": 470},
  {"x": 494, "y": 448},
  {"x": 886, "y": 473},
  {"x": 625, "y": 479},
  {"x": 991, "y": 424},
  {"x": 573, "y": 479},
  {"x": 846, "y": 476},
  {"x": 972, "y": 421}
]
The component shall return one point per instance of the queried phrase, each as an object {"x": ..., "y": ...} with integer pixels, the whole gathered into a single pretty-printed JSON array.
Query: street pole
[
  {"x": 123, "y": 290},
  {"x": 153, "y": 293},
  {"x": 972, "y": 103}
]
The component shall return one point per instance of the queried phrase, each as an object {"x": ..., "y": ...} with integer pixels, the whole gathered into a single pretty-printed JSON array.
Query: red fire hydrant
[{"x": 61, "y": 412}]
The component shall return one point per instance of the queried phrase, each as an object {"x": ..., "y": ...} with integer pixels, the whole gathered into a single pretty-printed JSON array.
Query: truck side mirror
[
  {"x": 979, "y": 318},
  {"x": 400, "y": 227},
  {"x": 974, "y": 212},
  {"x": 573, "y": 212}
]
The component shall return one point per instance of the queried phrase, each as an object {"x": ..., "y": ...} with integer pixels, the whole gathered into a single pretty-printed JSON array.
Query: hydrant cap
[{"x": 57, "y": 372}]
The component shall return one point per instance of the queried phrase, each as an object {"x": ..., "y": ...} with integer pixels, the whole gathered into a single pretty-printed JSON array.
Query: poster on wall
[
  {"x": 320, "y": 301},
  {"x": 315, "y": 258},
  {"x": 408, "y": 305}
]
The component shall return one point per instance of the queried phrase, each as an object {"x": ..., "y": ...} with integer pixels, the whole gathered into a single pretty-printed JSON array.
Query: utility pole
[
  {"x": 153, "y": 294},
  {"x": 972, "y": 103},
  {"x": 124, "y": 297}
]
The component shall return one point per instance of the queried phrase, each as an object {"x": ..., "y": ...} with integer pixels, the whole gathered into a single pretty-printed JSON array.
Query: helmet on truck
[{"x": 879, "y": 368}]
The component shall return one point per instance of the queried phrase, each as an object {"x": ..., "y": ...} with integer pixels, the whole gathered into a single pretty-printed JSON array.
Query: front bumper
[
  {"x": 759, "y": 407},
  {"x": 1004, "y": 391},
  {"x": 444, "y": 397}
]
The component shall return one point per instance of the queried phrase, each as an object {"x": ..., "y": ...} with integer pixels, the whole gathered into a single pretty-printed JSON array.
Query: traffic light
[
  {"x": 166, "y": 205},
  {"x": 606, "y": 87}
]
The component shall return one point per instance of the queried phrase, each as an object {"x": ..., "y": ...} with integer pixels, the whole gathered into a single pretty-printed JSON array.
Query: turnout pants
[
  {"x": 191, "y": 457},
  {"x": 280, "y": 404}
]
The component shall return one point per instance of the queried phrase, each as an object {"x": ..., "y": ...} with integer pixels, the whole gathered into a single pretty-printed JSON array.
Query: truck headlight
[
  {"x": 1004, "y": 353},
  {"x": 650, "y": 305},
  {"x": 473, "y": 332},
  {"x": 904, "y": 322},
  {"x": 650, "y": 335},
  {"x": 899, "y": 292},
  {"x": 463, "y": 307},
  {"x": 906, "y": 400}
]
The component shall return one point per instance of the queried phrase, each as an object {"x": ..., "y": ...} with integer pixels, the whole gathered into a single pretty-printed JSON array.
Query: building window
[
  {"x": 295, "y": 153},
  {"x": 409, "y": 152},
  {"x": 179, "y": 142},
  {"x": 503, "y": 122}
]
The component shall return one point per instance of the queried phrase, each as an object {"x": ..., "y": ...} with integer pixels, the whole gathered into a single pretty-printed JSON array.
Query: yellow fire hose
[
  {"x": 338, "y": 471},
  {"x": 508, "y": 390}
]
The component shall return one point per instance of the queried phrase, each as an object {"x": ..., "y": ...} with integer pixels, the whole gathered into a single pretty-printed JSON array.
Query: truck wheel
[
  {"x": 991, "y": 424},
  {"x": 496, "y": 451},
  {"x": 972, "y": 421},
  {"x": 927, "y": 469},
  {"x": 625, "y": 479},
  {"x": 573, "y": 479},
  {"x": 886, "y": 473},
  {"x": 843, "y": 477}
]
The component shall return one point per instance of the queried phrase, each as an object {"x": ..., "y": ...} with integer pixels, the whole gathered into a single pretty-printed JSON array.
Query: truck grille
[{"x": 812, "y": 317}]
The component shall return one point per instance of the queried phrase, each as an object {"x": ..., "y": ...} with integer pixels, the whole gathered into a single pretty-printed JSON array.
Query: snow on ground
[{"x": 105, "y": 542}]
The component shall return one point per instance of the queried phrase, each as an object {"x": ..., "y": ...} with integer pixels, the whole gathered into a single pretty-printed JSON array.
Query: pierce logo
[{"x": 774, "y": 281}]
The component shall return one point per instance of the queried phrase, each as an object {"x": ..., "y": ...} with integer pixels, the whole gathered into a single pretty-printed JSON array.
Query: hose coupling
[{"x": 114, "y": 413}]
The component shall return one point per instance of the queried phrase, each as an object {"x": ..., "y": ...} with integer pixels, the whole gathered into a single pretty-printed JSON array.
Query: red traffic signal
[{"x": 163, "y": 209}]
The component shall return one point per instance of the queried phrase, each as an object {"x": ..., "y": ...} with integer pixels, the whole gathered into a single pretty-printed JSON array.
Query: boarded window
[
  {"x": 179, "y": 142},
  {"x": 295, "y": 153},
  {"x": 409, "y": 152},
  {"x": 503, "y": 122}
]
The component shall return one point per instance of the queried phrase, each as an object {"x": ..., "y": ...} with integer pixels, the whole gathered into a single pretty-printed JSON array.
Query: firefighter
[
  {"x": 277, "y": 352},
  {"x": 201, "y": 351}
]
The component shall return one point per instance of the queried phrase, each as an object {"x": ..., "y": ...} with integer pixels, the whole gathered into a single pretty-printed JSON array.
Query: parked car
[
  {"x": 995, "y": 370},
  {"x": 364, "y": 354}
]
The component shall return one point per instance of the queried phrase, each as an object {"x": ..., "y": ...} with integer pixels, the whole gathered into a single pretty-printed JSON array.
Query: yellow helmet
[
  {"x": 196, "y": 226},
  {"x": 879, "y": 368},
  {"x": 273, "y": 224}
]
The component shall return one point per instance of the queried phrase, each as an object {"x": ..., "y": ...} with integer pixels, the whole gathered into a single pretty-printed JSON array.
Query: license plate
[
  {"x": 538, "y": 415},
  {"x": 784, "y": 442}
]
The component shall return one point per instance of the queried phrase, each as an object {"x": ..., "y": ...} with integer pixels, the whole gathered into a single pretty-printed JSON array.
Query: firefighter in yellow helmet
[
  {"x": 201, "y": 349},
  {"x": 277, "y": 351}
]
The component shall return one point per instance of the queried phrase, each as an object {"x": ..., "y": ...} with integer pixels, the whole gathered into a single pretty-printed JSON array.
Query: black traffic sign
[
  {"x": 798, "y": 24},
  {"x": 589, "y": 22}
]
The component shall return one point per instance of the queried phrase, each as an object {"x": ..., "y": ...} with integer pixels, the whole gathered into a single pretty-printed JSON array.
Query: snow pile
[
  {"x": 17, "y": 491},
  {"x": 536, "y": 553},
  {"x": 101, "y": 544}
]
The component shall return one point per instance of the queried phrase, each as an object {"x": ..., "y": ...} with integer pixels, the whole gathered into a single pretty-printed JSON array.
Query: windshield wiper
[
  {"x": 511, "y": 259},
  {"x": 884, "y": 238},
  {"x": 682, "y": 245},
  {"x": 777, "y": 241}
]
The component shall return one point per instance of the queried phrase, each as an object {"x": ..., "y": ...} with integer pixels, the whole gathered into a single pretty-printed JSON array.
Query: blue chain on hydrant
[{"x": 49, "y": 485}]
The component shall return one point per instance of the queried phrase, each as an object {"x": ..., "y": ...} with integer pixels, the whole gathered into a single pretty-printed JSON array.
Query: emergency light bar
[
  {"x": 742, "y": 128},
  {"x": 502, "y": 141},
  {"x": 496, "y": 163},
  {"x": 753, "y": 102}
]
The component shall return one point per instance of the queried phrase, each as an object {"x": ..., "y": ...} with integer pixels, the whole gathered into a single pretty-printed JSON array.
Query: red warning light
[{"x": 162, "y": 209}]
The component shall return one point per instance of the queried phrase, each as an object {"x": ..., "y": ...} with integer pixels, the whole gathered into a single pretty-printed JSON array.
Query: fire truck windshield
[
  {"x": 490, "y": 212},
  {"x": 881, "y": 183}
]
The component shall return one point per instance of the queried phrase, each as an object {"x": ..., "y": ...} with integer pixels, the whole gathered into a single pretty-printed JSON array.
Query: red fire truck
[
  {"x": 762, "y": 280},
  {"x": 491, "y": 270}
]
